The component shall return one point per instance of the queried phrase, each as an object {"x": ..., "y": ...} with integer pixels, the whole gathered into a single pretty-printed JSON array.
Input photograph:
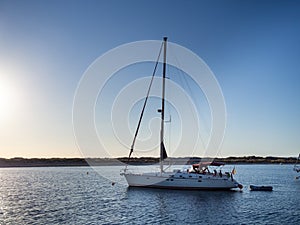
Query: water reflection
[{"x": 181, "y": 205}]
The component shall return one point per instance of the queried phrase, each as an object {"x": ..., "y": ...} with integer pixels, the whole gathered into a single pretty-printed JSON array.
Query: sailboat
[
  {"x": 197, "y": 177},
  {"x": 297, "y": 166}
]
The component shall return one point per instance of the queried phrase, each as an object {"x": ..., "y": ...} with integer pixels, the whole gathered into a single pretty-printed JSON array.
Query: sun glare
[{"x": 7, "y": 98}]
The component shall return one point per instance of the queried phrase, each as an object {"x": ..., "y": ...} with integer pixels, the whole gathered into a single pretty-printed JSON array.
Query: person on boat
[
  {"x": 207, "y": 170},
  {"x": 215, "y": 173},
  {"x": 204, "y": 170},
  {"x": 220, "y": 173}
]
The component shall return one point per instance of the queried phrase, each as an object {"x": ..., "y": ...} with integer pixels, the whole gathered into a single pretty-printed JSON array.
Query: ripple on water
[{"x": 70, "y": 196}]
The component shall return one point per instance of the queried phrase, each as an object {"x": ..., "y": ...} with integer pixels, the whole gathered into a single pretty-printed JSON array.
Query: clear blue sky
[{"x": 251, "y": 46}]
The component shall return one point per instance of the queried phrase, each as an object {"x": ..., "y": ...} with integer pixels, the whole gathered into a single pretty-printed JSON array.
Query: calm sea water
[{"x": 70, "y": 195}]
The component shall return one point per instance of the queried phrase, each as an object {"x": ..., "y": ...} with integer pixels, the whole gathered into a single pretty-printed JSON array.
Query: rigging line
[
  {"x": 184, "y": 82},
  {"x": 145, "y": 103},
  {"x": 199, "y": 107},
  {"x": 170, "y": 130}
]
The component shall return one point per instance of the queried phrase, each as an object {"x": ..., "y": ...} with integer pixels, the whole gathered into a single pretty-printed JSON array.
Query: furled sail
[{"x": 165, "y": 155}]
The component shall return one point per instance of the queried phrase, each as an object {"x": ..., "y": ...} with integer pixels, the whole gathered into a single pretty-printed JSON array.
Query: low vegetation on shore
[{"x": 47, "y": 162}]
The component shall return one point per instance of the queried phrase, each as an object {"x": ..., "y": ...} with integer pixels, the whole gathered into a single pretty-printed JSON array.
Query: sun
[{"x": 7, "y": 100}]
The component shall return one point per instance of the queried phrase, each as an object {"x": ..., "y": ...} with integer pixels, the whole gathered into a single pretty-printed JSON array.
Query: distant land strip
[{"x": 56, "y": 162}]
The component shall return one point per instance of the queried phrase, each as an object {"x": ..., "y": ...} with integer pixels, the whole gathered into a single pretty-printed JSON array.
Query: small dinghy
[{"x": 260, "y": 188}]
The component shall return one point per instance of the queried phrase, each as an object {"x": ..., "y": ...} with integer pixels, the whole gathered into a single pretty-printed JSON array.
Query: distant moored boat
[
  {"x": 260, "y": 188},
  {"x": 297, "y": 166}
]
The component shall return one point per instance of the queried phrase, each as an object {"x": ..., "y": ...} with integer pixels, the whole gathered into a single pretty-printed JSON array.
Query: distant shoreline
[{"x": 69, "y": 162}]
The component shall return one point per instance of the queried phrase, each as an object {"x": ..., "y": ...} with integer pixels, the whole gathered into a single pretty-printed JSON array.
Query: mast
[{"x": 162, "y": 148}]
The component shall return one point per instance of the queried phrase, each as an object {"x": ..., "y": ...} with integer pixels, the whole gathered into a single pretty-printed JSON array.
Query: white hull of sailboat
[{"x": 180, "y": 181}]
